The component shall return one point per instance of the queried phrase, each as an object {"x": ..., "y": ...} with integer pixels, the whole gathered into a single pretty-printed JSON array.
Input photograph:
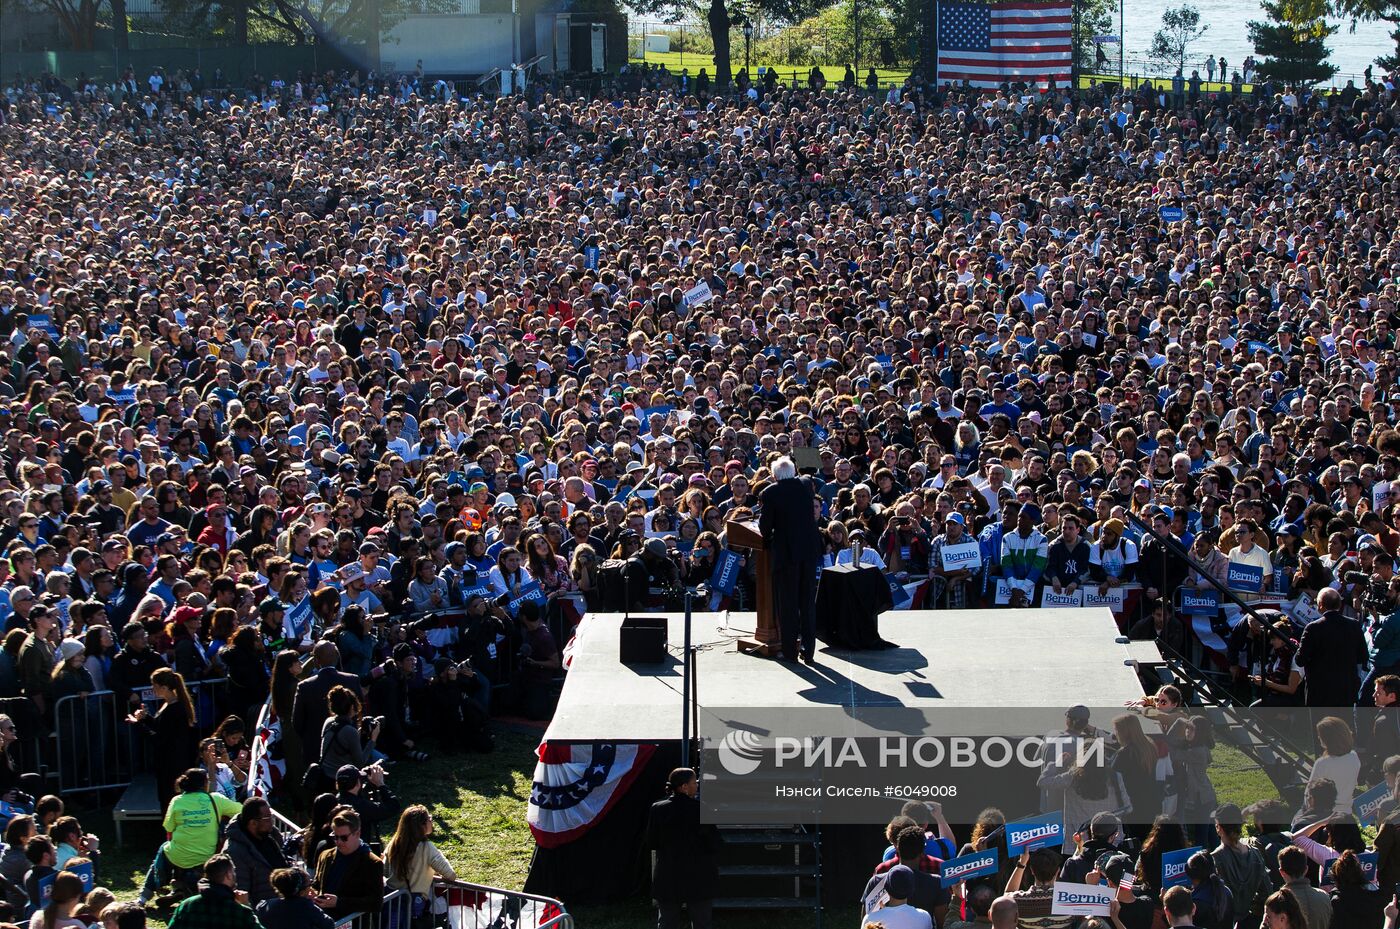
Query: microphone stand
[{"x": 689, "y": 680}]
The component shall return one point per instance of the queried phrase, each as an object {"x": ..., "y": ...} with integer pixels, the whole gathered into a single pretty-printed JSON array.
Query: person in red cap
[{"x": 218, "y": 534}]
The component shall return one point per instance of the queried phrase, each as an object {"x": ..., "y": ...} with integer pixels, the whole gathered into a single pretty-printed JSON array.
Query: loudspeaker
[{"x": 642, "y": 640}]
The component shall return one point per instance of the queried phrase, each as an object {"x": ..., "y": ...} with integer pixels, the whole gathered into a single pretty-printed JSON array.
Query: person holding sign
[
  {"x": 66, "y": 897},
  {"x": 955, "y": 564},
  {"x": 1034, "y": 905},
  {"x": 1250, "y": 570}
]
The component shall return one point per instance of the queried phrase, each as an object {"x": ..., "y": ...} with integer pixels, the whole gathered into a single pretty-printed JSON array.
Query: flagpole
[
  {"x": 935, "y": 44},
  {"x": 1122, "y": 42}
]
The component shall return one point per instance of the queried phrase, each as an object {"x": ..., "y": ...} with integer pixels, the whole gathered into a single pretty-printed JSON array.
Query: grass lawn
[
  {"x": 676, "y": 61},
  {"x": 1237, "y": 778}
]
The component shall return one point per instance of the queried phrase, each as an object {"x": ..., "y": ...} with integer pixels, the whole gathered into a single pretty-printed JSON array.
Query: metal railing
[
  {"x": 463, "y": 905},
  {"x": 396, "y": 913},
  {"x": 477, "y": 906},
  {"x": 96, "y": 749}
]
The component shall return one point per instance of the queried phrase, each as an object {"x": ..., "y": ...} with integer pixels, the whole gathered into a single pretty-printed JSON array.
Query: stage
[
  {"x": 992, "y": 659},
  {"x": 945, "y": 658}
]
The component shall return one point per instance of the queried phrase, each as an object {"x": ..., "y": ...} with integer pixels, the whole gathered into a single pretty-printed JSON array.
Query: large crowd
[{"x": 360, "y": 397}]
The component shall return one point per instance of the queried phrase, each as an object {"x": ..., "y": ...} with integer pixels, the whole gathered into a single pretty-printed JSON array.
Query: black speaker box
[{"x": 642, "y": 640}]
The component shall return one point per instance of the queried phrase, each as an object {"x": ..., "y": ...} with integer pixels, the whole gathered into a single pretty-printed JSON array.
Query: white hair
[{"x": 783, "y": 468}]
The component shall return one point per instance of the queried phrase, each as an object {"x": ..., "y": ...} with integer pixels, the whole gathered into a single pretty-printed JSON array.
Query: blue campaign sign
[
  {"x": 1174, "y": 866},
  {"x": 590, "y": 258},
  {"x": 1200, "y": 602},
  {"x": 45, "y": 885},
  {"x": 1281, "y": 583},
  {"x": 526, "y": 593},
  {"x": 1367, "y": 807},
  {"x": 663, "y": 410},
  {"x": 726, "y": 573},
  {"x": 1172, "y": 214},
  {"x": 1368, "y": 861},
  {"x": 898, "y": 595},
  {"x": 480, "y": 590},
  {"x": 1246, "y": 577},
  {"x": 1026, "y": 835},
  {"x": 966, "y": 867},
  {"x": 85, "y": 872}
]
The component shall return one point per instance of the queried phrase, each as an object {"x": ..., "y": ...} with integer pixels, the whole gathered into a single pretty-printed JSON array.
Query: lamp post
[{"x": 748, "y": 42}]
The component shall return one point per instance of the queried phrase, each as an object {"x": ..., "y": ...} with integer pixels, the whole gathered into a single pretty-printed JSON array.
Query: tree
[
  {"x": 721, "y": 15},
  {"x": 1387, "y": 10},
  {"x": 77, "y": 17},
  {"x": 1096, "y": 17},
  {"x": 1292, "y": 45},
  {"x": 1181, "y": 28}
]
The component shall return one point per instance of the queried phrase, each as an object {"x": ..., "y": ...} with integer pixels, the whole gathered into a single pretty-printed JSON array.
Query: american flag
[{"x": 988, "y": 44}]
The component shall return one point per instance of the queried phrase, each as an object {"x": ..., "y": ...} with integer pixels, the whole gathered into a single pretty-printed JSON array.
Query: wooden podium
[{"x": 766, "y": 643}]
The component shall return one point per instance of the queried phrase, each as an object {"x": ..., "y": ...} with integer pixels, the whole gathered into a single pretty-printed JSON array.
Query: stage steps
[{"x": 757, "y": 860}]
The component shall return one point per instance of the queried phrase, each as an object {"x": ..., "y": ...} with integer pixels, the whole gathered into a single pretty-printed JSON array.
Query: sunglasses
[{"x": 344, "y": 837}]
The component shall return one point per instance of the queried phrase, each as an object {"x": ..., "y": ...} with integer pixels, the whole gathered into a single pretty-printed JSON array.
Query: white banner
[
  {"x": 1006, "y": 585},
  {"x": 699, "y": 294},
  {"x": 1113, "y": 598},
  {"x": 1048, "y": 597},
  {"x": 966, "y": 555},
  {"x": 1081, "y": 899},
  {"x": 1208, "y": 636}
]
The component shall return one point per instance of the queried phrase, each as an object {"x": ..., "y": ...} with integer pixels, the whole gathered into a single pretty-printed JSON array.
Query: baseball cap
[
  {"x": 1113, "y": 865},
  {"x": 270, "y": 605},
  {"x": 955, "y": 518},
  {"x": 900, "y": 882}
]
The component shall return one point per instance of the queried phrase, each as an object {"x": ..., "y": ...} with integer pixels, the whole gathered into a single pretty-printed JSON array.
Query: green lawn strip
[{"x": 1237, "y": 778}]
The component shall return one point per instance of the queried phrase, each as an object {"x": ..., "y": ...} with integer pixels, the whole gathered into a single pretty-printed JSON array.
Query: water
[{"x": 1228, "y": 36}]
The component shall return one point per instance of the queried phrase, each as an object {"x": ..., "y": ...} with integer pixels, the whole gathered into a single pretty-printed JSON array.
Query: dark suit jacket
[
  {"x": 788, "y": 522},
  {"x": 1330, "y": 651},
  {"x": 309, "y": 708},
  {"x": 684, "y": 866},
  {"x": 361, "y": 889}
]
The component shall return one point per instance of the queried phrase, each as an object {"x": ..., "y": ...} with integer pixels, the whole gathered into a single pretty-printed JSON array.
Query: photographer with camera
[
  {"x": 483, "y": 639},
  {"x": 346, "y": 739},
  {"x": 455, "y": 714},
  {"x": 364, "y": 791},
  {"x": 533, "y": 692},
  {"x": 1379, "y": 608},
  {"x": 650, "y": 576},
  {"x": 388, "y": 696}
]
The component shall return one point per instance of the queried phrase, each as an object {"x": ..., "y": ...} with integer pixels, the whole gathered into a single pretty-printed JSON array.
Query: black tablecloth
[{"x": 849, "y": 602}]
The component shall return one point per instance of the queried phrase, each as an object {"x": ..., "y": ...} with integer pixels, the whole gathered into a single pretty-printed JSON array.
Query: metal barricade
[
  {"x": 476, "y": 906},
  {"x": 396, "y": 913},
  {"x": 96, "y": 749}
]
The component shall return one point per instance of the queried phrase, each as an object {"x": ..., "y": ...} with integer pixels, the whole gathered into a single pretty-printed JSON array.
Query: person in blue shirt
[{"x": 999, "y": 404}]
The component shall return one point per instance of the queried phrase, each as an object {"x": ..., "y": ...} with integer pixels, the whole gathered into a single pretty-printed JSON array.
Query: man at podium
[{"x": 788, "y": 523}]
